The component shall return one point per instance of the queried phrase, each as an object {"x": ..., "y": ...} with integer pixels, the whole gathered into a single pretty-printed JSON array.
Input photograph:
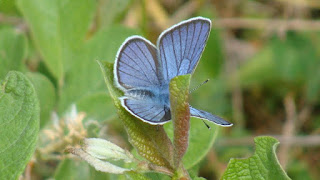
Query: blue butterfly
[{"x": 143, "y": 71}]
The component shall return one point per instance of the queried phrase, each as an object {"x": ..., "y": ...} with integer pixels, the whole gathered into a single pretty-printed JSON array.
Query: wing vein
[
  {"x": 145, "y": 75},
  {"x": 156, "y": 115},
  {"x": 165, "y": 58},
  {"x": 174, "y": 53},
  {"x": 147, "y": 60},
  {"x": 196, "y": 42},
  {"x": 130, "y": 66},
  {"x": 192, "y": 38},
  {"x": 145, "y": 115},
  {"x": 185, "y": 46},
  {"x": 132, "y": 75},
  {"x": 144, "y": 110}
]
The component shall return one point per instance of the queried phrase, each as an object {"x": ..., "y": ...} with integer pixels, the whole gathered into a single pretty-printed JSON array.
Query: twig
[
  {"x": 185, "y": 11},
  {"x": 236, "y": 51},
  {"x": 304, "y": 115},
  {"x": 158, "y": 13},
  {"x": 15, "y": 21},
  {"x": 288, "y": 128},
  {"x": 298, "y": 141},
  {"x": 161, "y": 169},
  {"x": 213, "y": 161},
  {"x": 308, "y": 3},
  {"x": 10, "y": 19},
  {"x": 267, "y": 24}
]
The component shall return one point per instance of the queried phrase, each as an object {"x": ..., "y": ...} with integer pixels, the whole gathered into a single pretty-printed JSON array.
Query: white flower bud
[{"x": 103, "y": 149}]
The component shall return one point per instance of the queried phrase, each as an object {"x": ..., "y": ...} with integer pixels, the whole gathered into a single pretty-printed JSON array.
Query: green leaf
[
  {"x": 199, "y": 178},
  {"x": 84, "y": 79},
  {"x": 150, "y": 141},
  {"x": 131, "y": 175},
  {"x": 97, "y": 106},
  {"x": 262, "y": 165},
  {"x": 293, "y": 57},
  {"x": 212, "y": 57},
  {"x": 194, "y": 171},
  {"x": 72, "y": 169},
  {"x": 105, "y": 44},
  {"x": 8, "y": 7},
  {"x": 286, "y": 63},
  {"x": 58, "y": 28},
  {"x": 258, "y": 70},
  {"x": 19, "y": 124},
  {"x": 313, "y": 87},
  {"x": 78, "y": 169},
  {"x": 108, "y": 11},
  {"x": 201, "y": 140},
  {"x": 46, "y": 95},
  {"x": 180, "y": 112},
  {"x": 158, "y": 176},
  {"x": 13, "y": 46}
]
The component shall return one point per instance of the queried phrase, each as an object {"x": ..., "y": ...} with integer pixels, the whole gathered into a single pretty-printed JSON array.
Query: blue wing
[
  {"x": 147, "y": 111},
  {"x": 180, "y": 47},
  {"x": 208, "y": 116},
  {"x": 136, "y": 64}
]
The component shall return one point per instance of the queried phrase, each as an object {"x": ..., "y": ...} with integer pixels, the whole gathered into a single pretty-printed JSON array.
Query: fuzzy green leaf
[
  {"x": 179, "y": 96},
  {"x": 80, "y": 170},
  {"x": 131, "y": 175},
  {"x": 9, "y": 7},
  {"x": 84, "y": 79},
  {"x": 108, "y": 11},
  {"x": 97, "y": 106},
  {"x": 19, "y": 124},
  {"x": 72, "y": 169},
  {"x": 201, "y": 140},
  {"x": 13, "y": 47},
  {"x": 262, "y": 165},
  {"x": 150, "y": 141},
  {"x": 46, "y": 95},
  {"x": 58, "y": 28}
]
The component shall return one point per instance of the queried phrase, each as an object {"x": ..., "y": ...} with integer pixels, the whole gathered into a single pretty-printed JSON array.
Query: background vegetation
[{"x": 262, "y": 59}]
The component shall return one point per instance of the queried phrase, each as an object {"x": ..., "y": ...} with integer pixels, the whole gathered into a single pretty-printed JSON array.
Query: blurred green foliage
[{"x": 56, "y": 45}]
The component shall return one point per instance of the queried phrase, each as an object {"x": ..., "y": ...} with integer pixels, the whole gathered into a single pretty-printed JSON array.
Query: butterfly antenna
[
  {"x": 206, "y": 124},
  {"x": 204, "y": 82}
]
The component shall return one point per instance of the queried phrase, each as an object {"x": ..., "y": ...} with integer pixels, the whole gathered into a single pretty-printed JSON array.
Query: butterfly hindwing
[
  {"x": 180, "y": 47},
  {"x": 208, "y": 116},
  {"x": 146, "y": 110}
]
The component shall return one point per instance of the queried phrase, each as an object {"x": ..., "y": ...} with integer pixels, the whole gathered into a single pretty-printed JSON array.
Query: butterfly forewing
[
  {"x": 136, "y": 64},
  {"x": 180, "y": 47}
]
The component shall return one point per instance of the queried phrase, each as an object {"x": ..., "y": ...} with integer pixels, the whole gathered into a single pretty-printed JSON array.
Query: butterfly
[{"x": 143, "y": 71}]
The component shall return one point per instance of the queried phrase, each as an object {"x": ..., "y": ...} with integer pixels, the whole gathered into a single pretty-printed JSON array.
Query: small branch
[
  {"x": 15, "y": 21},
  {"x": 304, "y": 115},
  {"x": 297, "y": 141},
  {"x": 158, "y": 13},
  {"x": 288, "y": 128},
  {"x": 267, "y": 24},
  {"x": 185, "y": 11},
  {"x": 160, "y": 169},
  {"x": 308, "y": 3},
  {"x": 217, "y": 166},
  {"x": 10, "y": 19}
]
